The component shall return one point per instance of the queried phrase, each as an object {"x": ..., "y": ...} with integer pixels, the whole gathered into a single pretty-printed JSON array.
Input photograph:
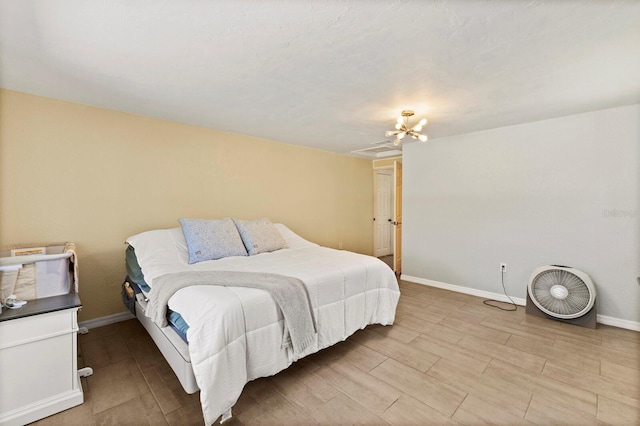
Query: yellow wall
[{"x": 94, "y": 176}]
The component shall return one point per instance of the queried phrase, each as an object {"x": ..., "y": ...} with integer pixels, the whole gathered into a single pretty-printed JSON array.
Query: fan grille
[{"x": 561, "y": 292}]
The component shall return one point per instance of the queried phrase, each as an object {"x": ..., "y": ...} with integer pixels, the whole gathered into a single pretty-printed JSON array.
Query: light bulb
[
  {"x": 423, "y": 138},
  {"x": 417, "y": 128},
  {"x": 400, "y": 120},
  {"x": 398, "y": 126},
  {"x": 397, "y": 142},
  {"x": 422, "y": 122},
  {"x": 401, "y": 135}
]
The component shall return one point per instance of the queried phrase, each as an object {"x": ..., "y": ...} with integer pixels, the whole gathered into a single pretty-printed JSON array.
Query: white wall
[{"x": 529, "y": 195}]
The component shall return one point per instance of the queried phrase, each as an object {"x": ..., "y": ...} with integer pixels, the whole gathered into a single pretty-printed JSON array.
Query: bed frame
[{"x": 172, "y": 347}]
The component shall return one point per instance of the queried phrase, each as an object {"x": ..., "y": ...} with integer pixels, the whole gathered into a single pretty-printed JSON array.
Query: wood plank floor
[{"x": 449, "y": 359}]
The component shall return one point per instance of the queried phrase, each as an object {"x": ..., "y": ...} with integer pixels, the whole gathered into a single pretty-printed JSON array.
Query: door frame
[
  {"x": 397, "y": 217},
  {"x": 396, "y": 229}
]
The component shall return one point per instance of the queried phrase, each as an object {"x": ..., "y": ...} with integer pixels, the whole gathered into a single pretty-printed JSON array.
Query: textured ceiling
[{"x": 326, "y": 74}]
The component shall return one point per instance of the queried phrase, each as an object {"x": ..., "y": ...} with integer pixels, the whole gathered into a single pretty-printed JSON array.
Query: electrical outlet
[{"x": 503, "y": 267}]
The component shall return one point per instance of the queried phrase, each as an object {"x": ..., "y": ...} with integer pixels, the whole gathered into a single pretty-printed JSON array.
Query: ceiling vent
[{"x": 379, "y": 151}]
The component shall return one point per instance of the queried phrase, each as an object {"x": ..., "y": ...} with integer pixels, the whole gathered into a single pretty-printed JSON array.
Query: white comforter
[{"x": 235, "y": 334}]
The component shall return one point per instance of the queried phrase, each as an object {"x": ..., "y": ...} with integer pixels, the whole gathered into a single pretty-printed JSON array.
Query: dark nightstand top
[{"x": 42, "y": 306}]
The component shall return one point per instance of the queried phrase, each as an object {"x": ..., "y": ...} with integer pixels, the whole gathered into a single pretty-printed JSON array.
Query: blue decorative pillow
[
  {"x": 209, "y": 239},
  {"x": 260, "y": 236}
]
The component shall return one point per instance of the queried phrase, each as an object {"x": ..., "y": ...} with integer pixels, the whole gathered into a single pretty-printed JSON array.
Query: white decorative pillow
[
  {"x": 209, "y": 239},
  {"x": 260, "y": 236}
]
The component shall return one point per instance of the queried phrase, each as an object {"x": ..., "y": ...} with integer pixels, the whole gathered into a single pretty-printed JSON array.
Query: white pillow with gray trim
[
  {"x": 211, "y": 239},
  {"x": 260, "y": 236}
]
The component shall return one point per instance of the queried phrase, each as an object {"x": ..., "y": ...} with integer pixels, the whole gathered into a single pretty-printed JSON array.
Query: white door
[{"x": 382, "y": 228}]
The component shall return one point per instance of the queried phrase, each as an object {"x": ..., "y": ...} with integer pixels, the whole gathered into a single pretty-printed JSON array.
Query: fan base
[{"x": 587, "y": 320}]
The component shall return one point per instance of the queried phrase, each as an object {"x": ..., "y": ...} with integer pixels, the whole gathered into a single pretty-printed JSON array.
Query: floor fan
[{"x": 563, "y": 294}]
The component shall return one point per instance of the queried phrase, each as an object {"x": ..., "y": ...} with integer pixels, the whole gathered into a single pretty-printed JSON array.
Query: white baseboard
[
  {"x": 109, "y": 319},
  {"x": 617, "y": 322},
  {"x": 461, "y": 289},
  {"x": 602, "y": 319}
]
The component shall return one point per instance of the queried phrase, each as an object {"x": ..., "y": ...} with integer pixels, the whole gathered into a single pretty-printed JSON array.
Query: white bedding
[{"x": 235, "y": 334}]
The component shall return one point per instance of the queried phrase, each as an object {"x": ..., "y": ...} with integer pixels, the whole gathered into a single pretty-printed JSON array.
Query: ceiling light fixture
[{"x": 403, "y": 129}]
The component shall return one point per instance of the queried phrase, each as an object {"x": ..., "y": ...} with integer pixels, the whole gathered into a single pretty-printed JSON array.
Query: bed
[{"x": 232, "y": 335}]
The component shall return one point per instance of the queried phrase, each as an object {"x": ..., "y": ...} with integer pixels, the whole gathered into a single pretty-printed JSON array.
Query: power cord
[{"x": 489, "y": 301}]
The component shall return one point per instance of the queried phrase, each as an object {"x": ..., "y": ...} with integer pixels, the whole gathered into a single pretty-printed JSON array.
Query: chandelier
[{"x": 403, "y": 129}]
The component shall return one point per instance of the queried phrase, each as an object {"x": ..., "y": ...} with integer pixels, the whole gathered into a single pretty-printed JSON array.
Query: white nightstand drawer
[
  {"x": 35, "y": 371},
  {"x": 37, "y": 327}
]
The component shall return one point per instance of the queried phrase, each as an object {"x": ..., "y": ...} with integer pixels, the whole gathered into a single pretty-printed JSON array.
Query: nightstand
[{"x": 38, "y": 359}]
